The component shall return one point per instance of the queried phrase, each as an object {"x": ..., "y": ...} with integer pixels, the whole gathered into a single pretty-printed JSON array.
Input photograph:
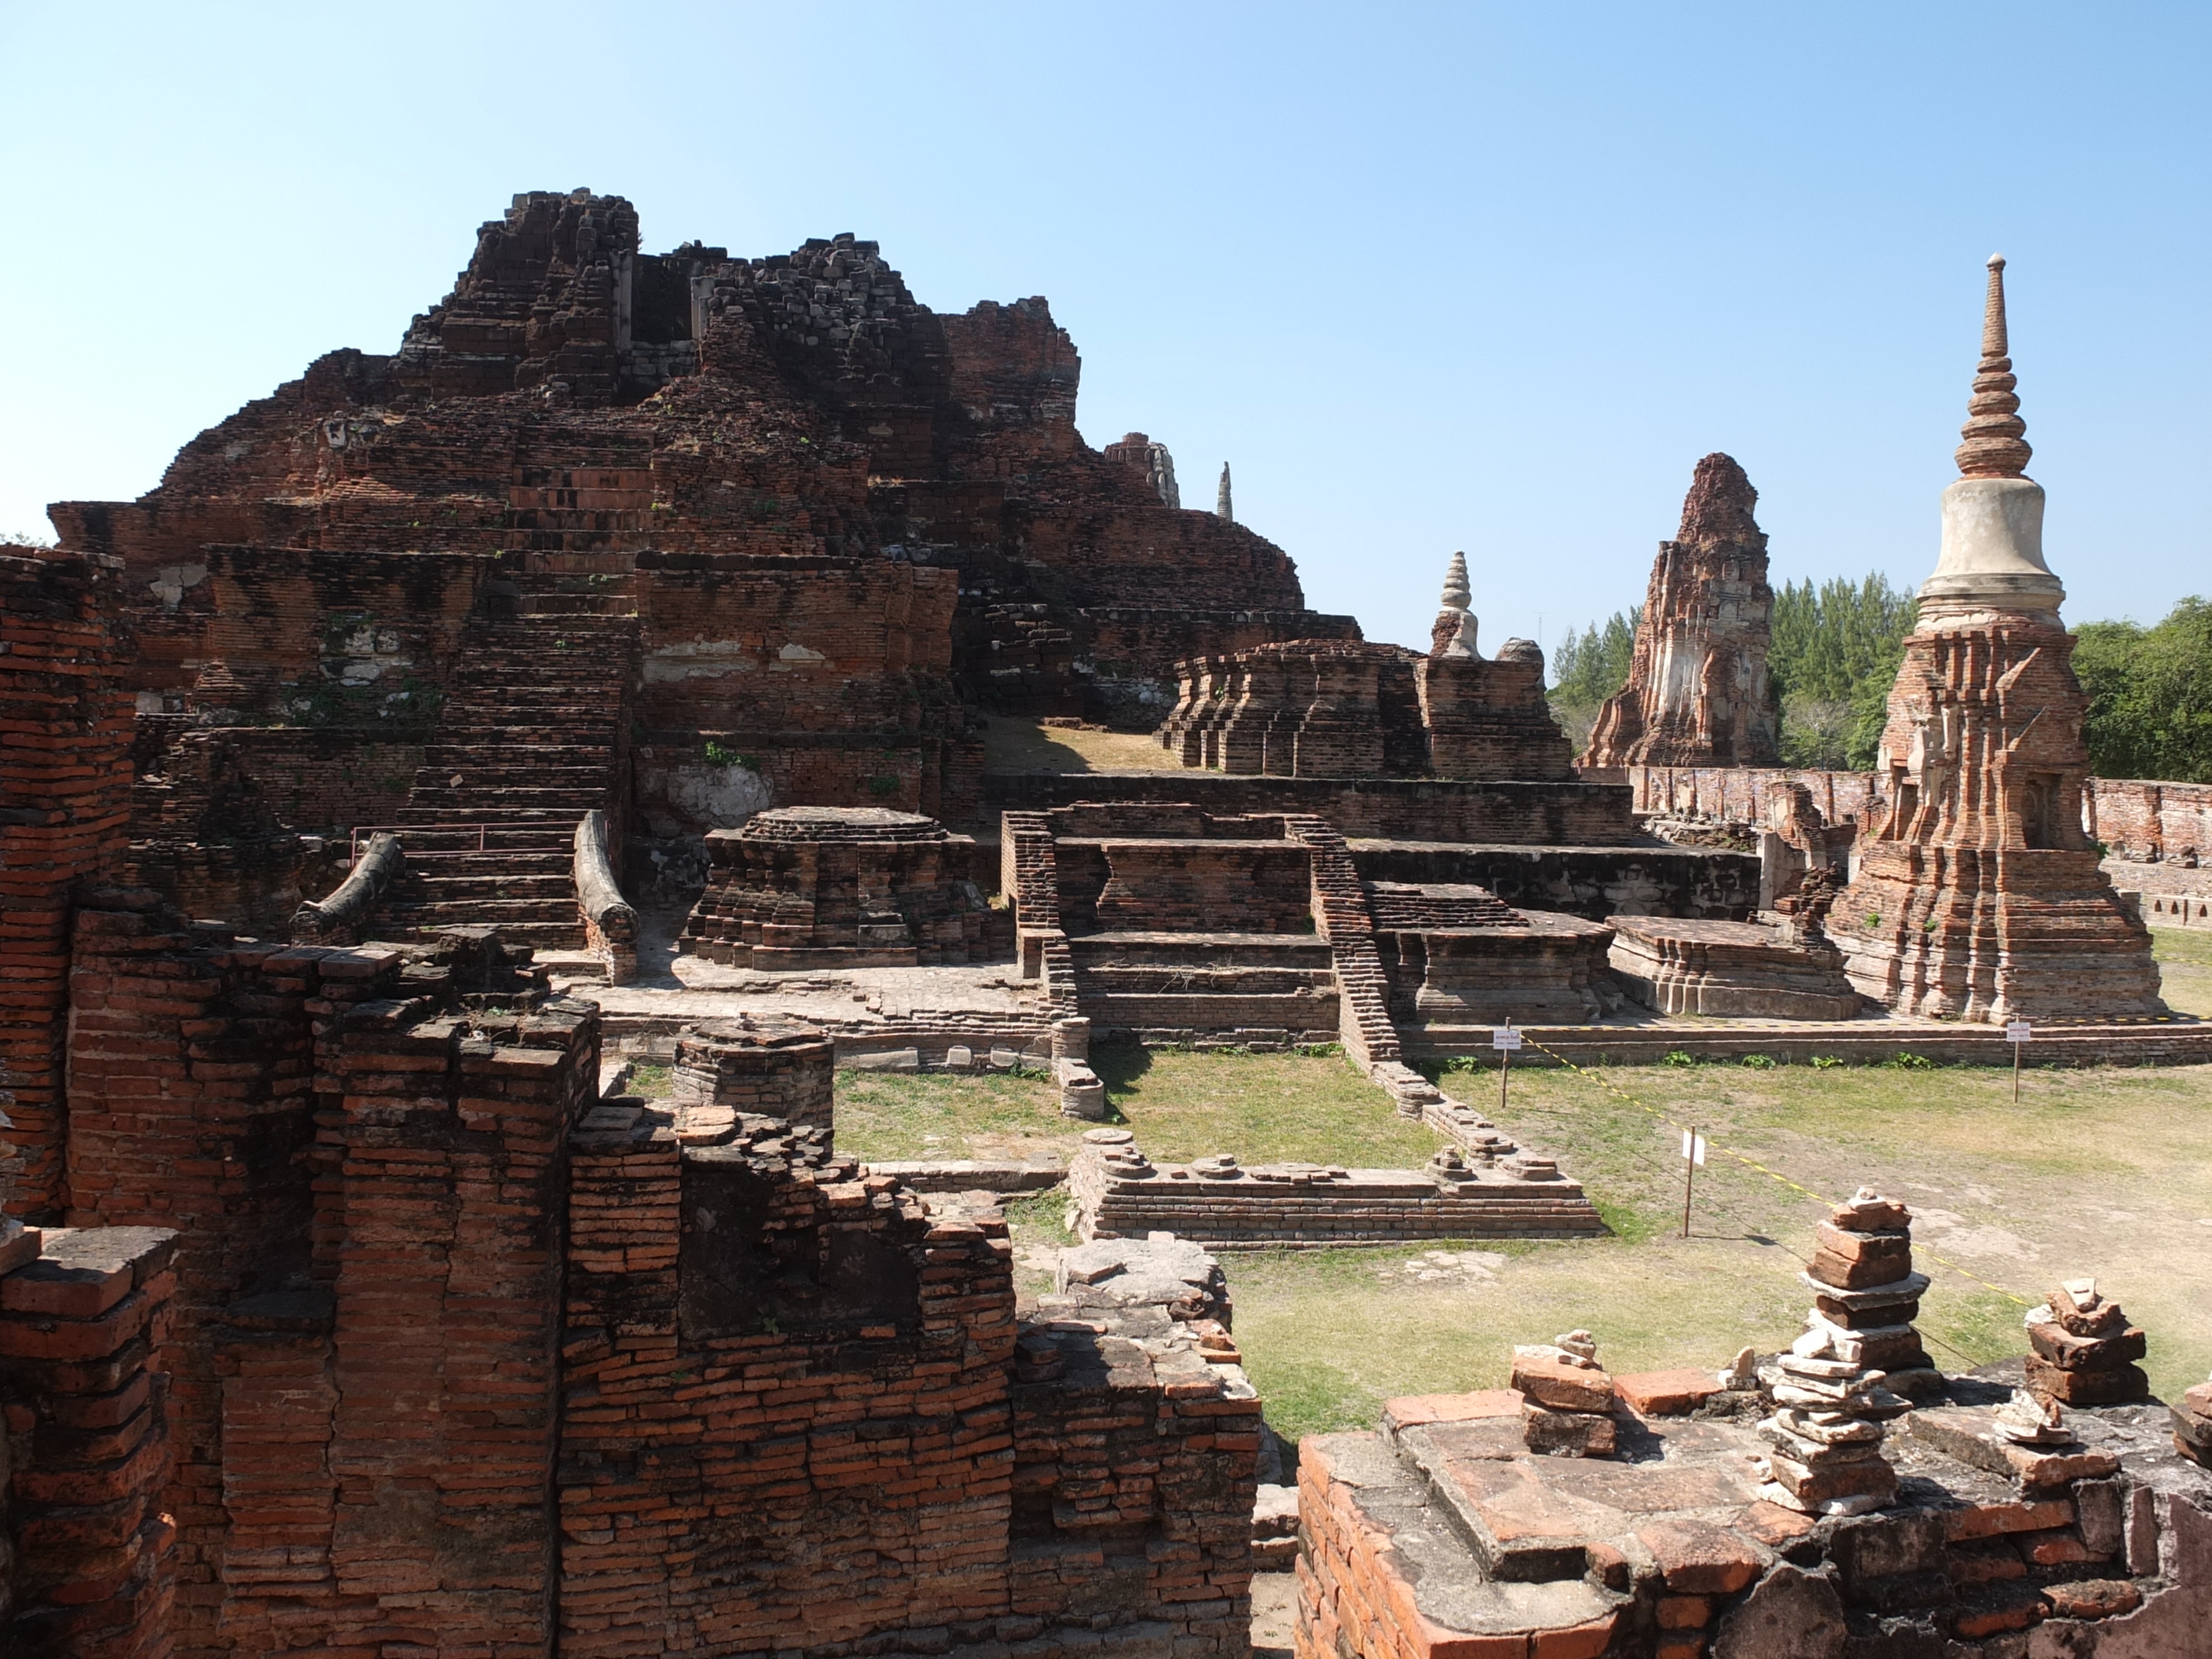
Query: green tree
[
  {"x": 2150, "y": 695},
  {"x": 1588, "y": 668},
  {"x": 1833, "y": 658}
]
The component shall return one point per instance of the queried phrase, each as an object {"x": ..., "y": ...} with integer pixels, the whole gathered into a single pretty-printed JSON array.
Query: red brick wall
[
  {"x": 86, "y": 1546},
  {"x": 798, "y": 1437},
  {"x": 64, "y": 796},
  {"x": 2151, "y": 821}
]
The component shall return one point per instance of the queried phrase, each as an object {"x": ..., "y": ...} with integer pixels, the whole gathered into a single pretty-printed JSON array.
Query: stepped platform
[
  {"x": 1540, "y": 813},
  {"x": 1172, "y": 986}
]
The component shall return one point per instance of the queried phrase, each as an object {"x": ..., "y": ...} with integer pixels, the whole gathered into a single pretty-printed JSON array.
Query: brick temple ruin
[
  {"x": 1697, "y": 693},
  {"x": 1960, "y": 879},
  {"x": 644, "y": 607}
]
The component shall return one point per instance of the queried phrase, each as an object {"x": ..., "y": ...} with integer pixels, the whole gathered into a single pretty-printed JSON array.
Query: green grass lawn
[
  {"x": 1264, "y": 1108},
  {"x": 2094, "y": 1171},
  {"x": 2185, "y": 960},
  {"x": 2099, "y": 1172}
]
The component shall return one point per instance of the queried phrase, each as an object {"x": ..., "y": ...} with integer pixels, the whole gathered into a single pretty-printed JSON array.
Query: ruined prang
[
  {"x": 1978, "y": 895},
  {"x": 1698, "y": 694}
]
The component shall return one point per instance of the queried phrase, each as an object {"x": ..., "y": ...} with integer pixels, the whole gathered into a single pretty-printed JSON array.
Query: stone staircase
[
  {"x": 534, "y": 736},
  {"x": 1209, "y": 985}
]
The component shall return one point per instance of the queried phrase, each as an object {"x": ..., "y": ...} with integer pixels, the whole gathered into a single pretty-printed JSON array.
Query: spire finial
[
  {"x": 1222, "y": 508},
  {"x": 1996, "y": 444},
  {"x": 1458, "y": 592}
]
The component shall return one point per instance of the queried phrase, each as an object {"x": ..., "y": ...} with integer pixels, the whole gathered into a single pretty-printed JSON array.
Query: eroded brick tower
[
  {"x": 1698, "y": 694},
  {"x": 1977, "y": 894}
]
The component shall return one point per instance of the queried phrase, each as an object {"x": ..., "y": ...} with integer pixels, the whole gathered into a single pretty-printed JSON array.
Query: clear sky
[{"x": 1489, "y": 277}]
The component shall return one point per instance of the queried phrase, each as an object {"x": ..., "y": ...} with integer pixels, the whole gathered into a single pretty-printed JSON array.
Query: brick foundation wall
[
  {"x": 1329, "y": 1209},
  {"x": 1589, "y": 882},
  {"x": 1545, "y": 814},
  {"x": 65, "y": 781}
]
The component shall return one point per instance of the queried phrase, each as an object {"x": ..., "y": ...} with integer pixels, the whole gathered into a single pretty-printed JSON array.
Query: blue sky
[{"x": 1430, "y": 277}]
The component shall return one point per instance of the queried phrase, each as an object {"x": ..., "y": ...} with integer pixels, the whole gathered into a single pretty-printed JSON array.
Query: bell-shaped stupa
[{"x": 1992, "y": 556}]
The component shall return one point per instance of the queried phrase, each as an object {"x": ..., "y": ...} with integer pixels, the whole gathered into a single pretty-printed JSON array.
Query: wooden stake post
[
  {"x": 1505, "y": 1040},
  {"x": 2017, "y": 1032}
]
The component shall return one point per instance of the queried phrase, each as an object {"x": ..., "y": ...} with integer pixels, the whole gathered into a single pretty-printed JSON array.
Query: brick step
[
  {"x": 451, "y": 837},
  {"x": 539, "y": 935},
  {"x": 1207, "y": 950},
  {"x": 1209, "y": 1013},
  {"x": 579, "y": 604},
  {"x": 522, "y": 863},
  {"x": 490, "y": 769},
  {"x": 540, "y": 566},
  {"x": 1232, "y": 982},
  {"x": 513, "y": 880},
  {"x": 486, "y": 912},
  {"x": 491, "y": 805},
  {"x": 577, "y": 712}
]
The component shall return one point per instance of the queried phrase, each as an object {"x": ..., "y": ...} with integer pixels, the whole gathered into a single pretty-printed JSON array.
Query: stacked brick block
[
  {"x": 1443, "y": 1537},
  {"x": 86, "y": 1542},
  {"x": 760, "y": 1065},
  {"x": 65, "y": 801}
]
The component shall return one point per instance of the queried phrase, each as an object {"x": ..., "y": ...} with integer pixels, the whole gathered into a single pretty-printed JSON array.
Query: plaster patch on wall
[
  {"x": 715, "y": 797},
  {"x": 171, "y": 580},
  {"x": 698, "y": 659}
]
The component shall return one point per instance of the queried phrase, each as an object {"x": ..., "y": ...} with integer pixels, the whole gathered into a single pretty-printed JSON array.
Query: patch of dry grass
[
  {"x": 1014, "y": 745},
  {"x": 2184, "y": 961}
]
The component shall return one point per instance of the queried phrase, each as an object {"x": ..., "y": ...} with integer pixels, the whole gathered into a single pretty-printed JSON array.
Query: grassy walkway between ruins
[
  {"x": 1014, "y": 745},
  {"x": 2103, "y": 1172},
  {"x": 2094, "y": 1171}
]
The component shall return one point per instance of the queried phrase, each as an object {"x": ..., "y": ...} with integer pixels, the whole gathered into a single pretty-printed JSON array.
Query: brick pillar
[
  {"x": 88, "y": 1438},
  {"x": 450, "y": 1144},
  {"x": 64, "y": 810}
]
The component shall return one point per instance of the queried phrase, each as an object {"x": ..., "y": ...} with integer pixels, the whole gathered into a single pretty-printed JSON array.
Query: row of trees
[{"x": 1833, "y": 655}]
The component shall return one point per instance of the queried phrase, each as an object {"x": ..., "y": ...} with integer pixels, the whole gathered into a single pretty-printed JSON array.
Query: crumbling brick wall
[
  {"x": 65, "y": 801},
  {"x": 368, "y": 1182},
  {"x": 2151, "y": 823},
  {"x": 791, "y": 1403}
]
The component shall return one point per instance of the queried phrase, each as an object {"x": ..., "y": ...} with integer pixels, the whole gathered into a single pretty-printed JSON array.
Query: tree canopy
[
  {"x": 1832, "y": 659},
  {"x": 2150, "y": 695}
]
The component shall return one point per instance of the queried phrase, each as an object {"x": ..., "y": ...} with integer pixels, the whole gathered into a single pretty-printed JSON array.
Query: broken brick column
[
  {"x": 86, "y": 1448},
  {"x": 64, "y": 808},
  {"x": 445, "y": 1224}
]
